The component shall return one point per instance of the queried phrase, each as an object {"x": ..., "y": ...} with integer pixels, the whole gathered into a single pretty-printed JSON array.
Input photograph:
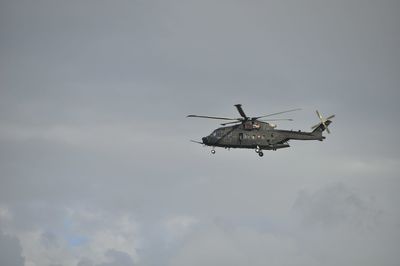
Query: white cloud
[
  {"x": 5, "y": 215},
  {"x": 82, "y": 234},
  {"x": 178, "y": 226}
]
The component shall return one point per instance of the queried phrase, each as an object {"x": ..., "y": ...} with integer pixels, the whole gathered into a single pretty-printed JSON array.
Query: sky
[{"x": 96, "y": 166}]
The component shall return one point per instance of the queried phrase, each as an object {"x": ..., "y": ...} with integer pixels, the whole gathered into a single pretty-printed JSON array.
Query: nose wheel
[{"x": 212, "y": 151}]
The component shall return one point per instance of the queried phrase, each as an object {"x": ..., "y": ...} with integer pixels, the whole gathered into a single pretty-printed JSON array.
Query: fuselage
[{"x": 256, "y": 134}]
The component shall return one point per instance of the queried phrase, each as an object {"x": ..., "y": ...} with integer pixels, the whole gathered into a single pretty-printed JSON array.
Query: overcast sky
[{"x": 96, "y": 167}]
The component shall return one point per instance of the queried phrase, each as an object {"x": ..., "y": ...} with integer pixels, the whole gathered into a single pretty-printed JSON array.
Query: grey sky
[{"x": 96, "y": 166}]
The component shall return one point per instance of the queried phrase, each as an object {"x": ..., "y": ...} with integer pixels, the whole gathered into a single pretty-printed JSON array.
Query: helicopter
[{"x": 258, "y": 133}]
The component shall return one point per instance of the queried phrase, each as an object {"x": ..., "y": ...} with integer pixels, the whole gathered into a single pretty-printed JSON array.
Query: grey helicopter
[{"x": 258, "y": 133}]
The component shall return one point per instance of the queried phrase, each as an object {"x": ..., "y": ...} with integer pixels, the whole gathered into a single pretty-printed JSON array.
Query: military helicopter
[{"x": 253, "y": 133}]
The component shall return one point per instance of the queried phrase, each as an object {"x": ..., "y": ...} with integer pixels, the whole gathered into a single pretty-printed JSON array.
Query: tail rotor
[{"x": 323, "y": 121}]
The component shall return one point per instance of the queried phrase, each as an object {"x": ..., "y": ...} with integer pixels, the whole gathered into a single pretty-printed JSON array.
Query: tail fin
[{"x": 321, "y": 128}]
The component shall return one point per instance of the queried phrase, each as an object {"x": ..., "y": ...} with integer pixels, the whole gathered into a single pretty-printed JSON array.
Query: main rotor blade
[
  {"x": 292, "y": 110},
  {"x": 279, "y": 119},
  {"x": 240, "y": 110},
  {"x": 212, "y": 117},
  {"x": 234, "y": 122}
]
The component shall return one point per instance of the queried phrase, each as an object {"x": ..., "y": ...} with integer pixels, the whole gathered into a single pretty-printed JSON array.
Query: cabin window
[{"x": 253, "y": 137}]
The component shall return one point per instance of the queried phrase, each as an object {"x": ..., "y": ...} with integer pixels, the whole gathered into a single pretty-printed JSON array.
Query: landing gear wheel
[
  {"x": 213, "y": 151},
  {"x": 261, "y": 154}
]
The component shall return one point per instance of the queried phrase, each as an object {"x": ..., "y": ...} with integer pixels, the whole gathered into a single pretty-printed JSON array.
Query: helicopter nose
[{"x": 204, "y": 140}]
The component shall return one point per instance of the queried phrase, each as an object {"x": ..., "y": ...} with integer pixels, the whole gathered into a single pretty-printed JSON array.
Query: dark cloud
[
  {"x": 334, "y": 205},
  {"x": 117, "y": 258},
  {"x": 10, "y": 251},
  {"x": 49, "y": 240},
  {"x": 114, "y": 258},
  {"x": 85, "y": 262},
  {"x": 337, "y": 225}
]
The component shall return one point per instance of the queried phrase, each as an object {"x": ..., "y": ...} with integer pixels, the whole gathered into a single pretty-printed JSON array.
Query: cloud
[
  {"x": 335, "y": 204},
  {"x": 337, "y": 225},
  {"x": 117, "y": 258},
  {"x": 216, "y": 245},
  {"x": 73, "y": 234},
  {"x": 10, "y": 251},
  {"x": 85, "y": 262},
  {"x": 113, "y": 258},
  {"x": 49, "y": 240},
  {"x": 329, "y": 225},
  {"x": 178, "y": 226}
]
